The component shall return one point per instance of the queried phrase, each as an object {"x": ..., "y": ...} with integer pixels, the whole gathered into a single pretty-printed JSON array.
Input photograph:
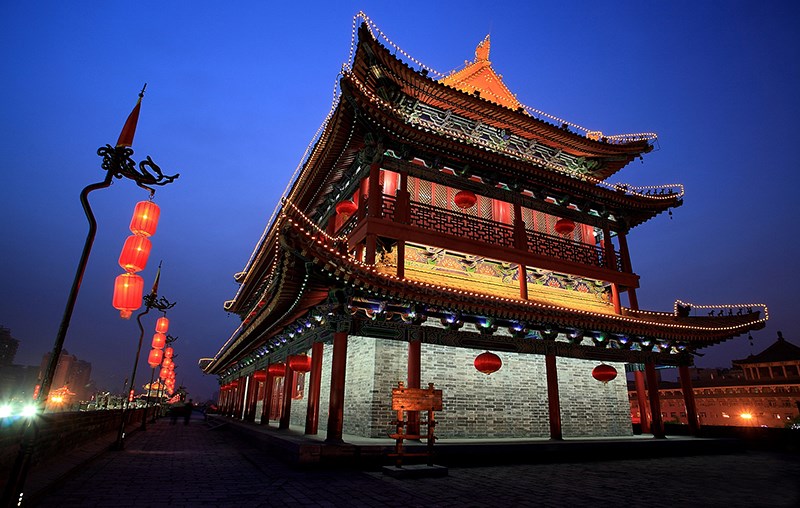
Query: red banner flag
[{"x": 129, "y": 129}]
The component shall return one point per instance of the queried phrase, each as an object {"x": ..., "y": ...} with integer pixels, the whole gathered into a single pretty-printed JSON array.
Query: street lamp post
[
  {"x": 117, "y": 163},
  {"x": 169, "y": 340},
  {"x": 151, "y": 301}
]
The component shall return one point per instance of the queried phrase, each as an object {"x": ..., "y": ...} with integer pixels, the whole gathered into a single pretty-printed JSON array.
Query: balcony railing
[
  {"x": 460, "y": 224},
  {"x": 463, "y": 225},
  {"x": 570, "y": 250}
]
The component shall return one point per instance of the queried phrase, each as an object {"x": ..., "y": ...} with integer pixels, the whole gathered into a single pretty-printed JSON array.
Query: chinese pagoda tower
[{"x": 437, "y": 231}]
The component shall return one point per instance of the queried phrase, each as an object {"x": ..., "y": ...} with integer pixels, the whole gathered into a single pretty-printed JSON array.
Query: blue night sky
[{"x": 236, "y": 90}]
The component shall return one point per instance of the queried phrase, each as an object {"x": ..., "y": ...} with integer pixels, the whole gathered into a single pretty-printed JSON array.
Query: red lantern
[
  {"x": 128, "y": 289},
  {"x": 145, "y": 218},
  {"x": 488, "y": 363},
  {"x": 277, "y": 369},
  {"x": 154, "y": 360},
  {"x": 347, "y": 207},
  {"x": 168, "y": 352},
  {"x": 163, "y": 373},
  {"x": 300, "y": 363},
  {"x": 167, "y": 363},
  {"x": 162, "y": 325},
  {"x": 135, "y": 253},
  {"x": 259, "y": 375},
  {"x": 159, "y": 340},
  {"x": 564, "y": 226},
  {"x": 465, "y": 199},
  {"x": 604, "y": 373}
]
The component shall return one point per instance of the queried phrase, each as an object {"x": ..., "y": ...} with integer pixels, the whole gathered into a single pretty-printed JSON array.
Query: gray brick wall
[{"x": 509, "y": 403}]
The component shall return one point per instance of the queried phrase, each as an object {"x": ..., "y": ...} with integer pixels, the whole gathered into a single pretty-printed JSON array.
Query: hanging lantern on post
[
  {"x": 300, "y": 363},
  {"x": 465, "y": 199},
  {"x": 159, "y": 340},
  {"x": 145, "y": 218},
  {"x": 277, "y": 369},
  {"x": 128, "y": 289},
  {"x": 168, "y": 352},
  {"x": 154, "y": 360},
  {"x": 135, "y": 253},
  {"x": 162, "y": 325},
  {"x": 564, "y": 226},
  {"x": 488, "y": 363},
  {"x": 604, "y": 373}
]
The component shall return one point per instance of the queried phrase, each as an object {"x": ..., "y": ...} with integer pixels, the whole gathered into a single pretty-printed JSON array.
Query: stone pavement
[{"x": 193, "y": 466}]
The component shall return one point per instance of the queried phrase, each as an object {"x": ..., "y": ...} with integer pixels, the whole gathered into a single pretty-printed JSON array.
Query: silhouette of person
[{"x": 188, "y": 408}]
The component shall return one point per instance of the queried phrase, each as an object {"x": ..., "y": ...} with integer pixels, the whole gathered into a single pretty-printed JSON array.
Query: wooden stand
[{"x": 415, "y": 399}]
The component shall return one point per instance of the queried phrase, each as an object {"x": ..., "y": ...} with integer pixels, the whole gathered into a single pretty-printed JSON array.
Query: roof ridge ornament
[{"x": 482, "y": 50}]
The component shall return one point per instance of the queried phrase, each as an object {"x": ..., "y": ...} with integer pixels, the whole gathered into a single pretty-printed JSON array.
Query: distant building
[
  {"x": 17, "y": 382},
  {"x": 761, "y": 390},
  {"x": 72, "y": 373},
  {"x": 8, "y": 347}
]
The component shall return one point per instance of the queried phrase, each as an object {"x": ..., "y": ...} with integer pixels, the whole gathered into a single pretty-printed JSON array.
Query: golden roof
[{"x": 479, "y": 76}]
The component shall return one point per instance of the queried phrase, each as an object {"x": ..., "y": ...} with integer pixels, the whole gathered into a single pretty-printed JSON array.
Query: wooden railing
[{"x": 460, "y": 224}]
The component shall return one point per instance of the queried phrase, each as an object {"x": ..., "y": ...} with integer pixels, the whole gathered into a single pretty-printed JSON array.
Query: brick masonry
[{"x": 511, "y": 402}]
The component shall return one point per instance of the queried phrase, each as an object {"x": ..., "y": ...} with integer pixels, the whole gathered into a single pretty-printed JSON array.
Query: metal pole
[
  {"x": 13, "y": 493},
  {"x": 120, "y": 443},
  {"x": 147, "y": 402}
]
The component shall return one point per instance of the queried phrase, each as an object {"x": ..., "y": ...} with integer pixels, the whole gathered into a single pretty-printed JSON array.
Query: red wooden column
[
  {"x": 231, "y": 409},
  {"x": 269, "y": 382},
  {"x": 241, "y": 393},
  {"x": 312, "y": 412},
  {"x": 232, "y": 398},
  {"x": 402, "y": 215},
  {"x": 608, "y": 249},
  {"x": 625, "y": 255},
  {"x": 331, "y": 227},
  {"x": 615, "y": 298},
  {"x": 374, "y": 204},
  {"x": 375, "y": 191},
  {"x": 521, "y": 243},
  {"x": 688, "y": 400},
  {"x": 641, "y": 398},
  {"x": 336, "y": 404},
  {"x": 414, "y": 376},
  {"x": 553, "y": 402},
  {"x": 638, "y": 375},
  {"x": 633, "y": 301},
  {"x": 657, "y": 423},
  {"x": 288, "y": 387},
  {"x": 363, "y": 190}
]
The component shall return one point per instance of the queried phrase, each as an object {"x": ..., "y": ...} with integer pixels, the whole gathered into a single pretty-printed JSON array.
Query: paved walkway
[{"x": 192, "y": 466}]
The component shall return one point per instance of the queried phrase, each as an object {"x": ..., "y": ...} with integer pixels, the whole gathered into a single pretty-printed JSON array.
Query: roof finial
[
  {"x": 780, "y": 336},
  {"x": 482, "y": 51}
]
